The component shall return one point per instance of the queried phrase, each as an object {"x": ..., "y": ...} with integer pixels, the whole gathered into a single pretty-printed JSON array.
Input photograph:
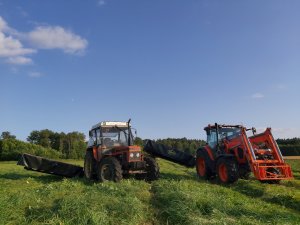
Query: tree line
[
  {"x": 11, "y": 148},
  {"x": 289, "y": 146},
  {"x": 72, "y": 145},
  {"x": 44, "y": 143},
  {"x": 187, "y": 145}
]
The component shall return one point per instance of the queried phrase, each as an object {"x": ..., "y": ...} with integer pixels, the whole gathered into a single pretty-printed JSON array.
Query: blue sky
[{"x": 172, "y": 66}]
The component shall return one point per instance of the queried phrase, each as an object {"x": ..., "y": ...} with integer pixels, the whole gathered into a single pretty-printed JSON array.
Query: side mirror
[{"x": 253, "y": 130}]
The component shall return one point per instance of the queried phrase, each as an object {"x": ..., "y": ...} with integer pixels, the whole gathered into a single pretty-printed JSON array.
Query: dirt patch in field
[{"x": 291, "y": 157}]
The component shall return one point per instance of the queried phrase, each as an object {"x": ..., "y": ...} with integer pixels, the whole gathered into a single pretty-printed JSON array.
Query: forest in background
[{"x": 72, "y": 145}]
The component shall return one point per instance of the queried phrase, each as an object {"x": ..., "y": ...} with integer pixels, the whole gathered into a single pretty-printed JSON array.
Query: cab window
[
  {"x": 92, "y": 139},
  {"x": 212, "y": 139},
  {"x": 98, "y": 136}
]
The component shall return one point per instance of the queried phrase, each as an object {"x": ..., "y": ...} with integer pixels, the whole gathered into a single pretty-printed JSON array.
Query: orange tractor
[
  {"x": 230, "y": 154},
  {"x": 111, "y": 154}
]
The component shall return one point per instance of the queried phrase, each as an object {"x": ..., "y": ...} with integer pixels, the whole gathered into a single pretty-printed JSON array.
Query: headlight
[{"x": 135, "y": 155}]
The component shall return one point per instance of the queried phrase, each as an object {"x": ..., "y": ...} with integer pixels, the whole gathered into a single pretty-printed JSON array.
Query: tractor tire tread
[
  {"x": 89, "y": 159},
  {"x": 152, "y": 169},
  {"x": 201, "y": 153},
  {"x": 232, "y": 169},
  {"x": 114, "y": 165}
]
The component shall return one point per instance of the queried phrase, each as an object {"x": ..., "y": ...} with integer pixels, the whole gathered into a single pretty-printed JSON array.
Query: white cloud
[
  {"x": 35, "y": 74},
  {"x": 19, "y": 60},
  {"x": 11, "y": 48},
  {"x": 101, "y": 2},
  {"x": 257, "y": 96},
  {"x": 48, "y": 37},
  {"x": 42, "y": 37}
]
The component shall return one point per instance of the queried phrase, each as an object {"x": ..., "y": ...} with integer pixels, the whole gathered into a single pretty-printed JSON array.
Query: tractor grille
[{"x": 137, "y": 165}]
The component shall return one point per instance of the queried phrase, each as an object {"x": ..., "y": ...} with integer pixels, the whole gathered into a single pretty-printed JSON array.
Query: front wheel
[
  {"x": 227, "y": 170},
  {"x": 152, "y": 170},
  {"x": 109, "y": 169}
]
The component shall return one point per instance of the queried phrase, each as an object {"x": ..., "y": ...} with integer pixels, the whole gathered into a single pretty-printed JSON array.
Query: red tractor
[
  {"x": 111, "y": 155},
  {"x": 230, "y": 154}
]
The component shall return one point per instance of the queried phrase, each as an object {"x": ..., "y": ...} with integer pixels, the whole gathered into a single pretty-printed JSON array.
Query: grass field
[{"x": 28, "y": 197}]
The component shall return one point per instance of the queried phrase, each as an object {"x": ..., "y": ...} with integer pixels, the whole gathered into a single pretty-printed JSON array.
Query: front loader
[{"x": 230, "y": 154}]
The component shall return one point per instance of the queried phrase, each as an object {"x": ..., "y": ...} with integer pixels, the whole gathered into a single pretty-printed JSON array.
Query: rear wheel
[
  {"x": 109, "y": 169},
  {"x": 227, "y": 170},
  {"x": 203, "y": 165},
  {"x": 89, "y": 165},
  {"x": 152, "y": 170}
]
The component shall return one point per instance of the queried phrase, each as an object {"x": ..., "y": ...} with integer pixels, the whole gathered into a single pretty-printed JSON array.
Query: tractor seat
[{"x": 107, "y": 142}]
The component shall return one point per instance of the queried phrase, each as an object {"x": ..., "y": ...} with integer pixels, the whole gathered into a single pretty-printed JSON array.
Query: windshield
[
  {"x": 229, "y": 133},
  {"x": 116, "y": 136},
  {"x": 223, "y": 133}
]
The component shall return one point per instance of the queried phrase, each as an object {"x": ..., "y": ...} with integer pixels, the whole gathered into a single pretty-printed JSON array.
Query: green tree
[
  {"x": 34, "y": 137},
  {"x": 6, "y": 135},
  {"x": 138, "y": 141}
]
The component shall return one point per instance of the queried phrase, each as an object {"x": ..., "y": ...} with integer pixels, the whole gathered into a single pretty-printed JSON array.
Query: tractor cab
[
  {"x": 218, "y": 134},
  {"x": 111, "y": 134}
]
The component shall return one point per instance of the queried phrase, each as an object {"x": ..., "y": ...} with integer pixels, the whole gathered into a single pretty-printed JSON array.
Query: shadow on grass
[
  {"x": 259, "y": 192},
  {"x": 173, "y": 176},
  {"x": 247, "y": 189},
  {"x": 18, "y": 176}
]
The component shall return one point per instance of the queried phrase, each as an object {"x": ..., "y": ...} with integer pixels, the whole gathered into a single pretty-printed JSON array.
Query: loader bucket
[{"x": 271, "y": 172}]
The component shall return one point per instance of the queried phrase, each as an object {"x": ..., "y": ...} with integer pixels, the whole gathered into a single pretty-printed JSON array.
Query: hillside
[{"x": 28, "y": 197}]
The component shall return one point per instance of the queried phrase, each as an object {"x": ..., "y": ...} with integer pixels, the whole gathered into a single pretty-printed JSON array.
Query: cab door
[
  {"x": 98, "y": 145},
  {"x": 212, "y": 139}
]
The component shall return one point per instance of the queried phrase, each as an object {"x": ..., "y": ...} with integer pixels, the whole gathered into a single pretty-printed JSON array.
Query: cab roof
[
  {"x": 110, "y": 124},
  {"x": 213, "y": 126}
]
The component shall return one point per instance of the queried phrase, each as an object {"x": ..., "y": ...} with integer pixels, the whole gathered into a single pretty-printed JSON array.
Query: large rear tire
[
  {"x": 109, "y": 169},
  {"x": 203, "y": 165},
  {"x": 227, "y": 170},
  {"x": 89, "y": 165}
]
